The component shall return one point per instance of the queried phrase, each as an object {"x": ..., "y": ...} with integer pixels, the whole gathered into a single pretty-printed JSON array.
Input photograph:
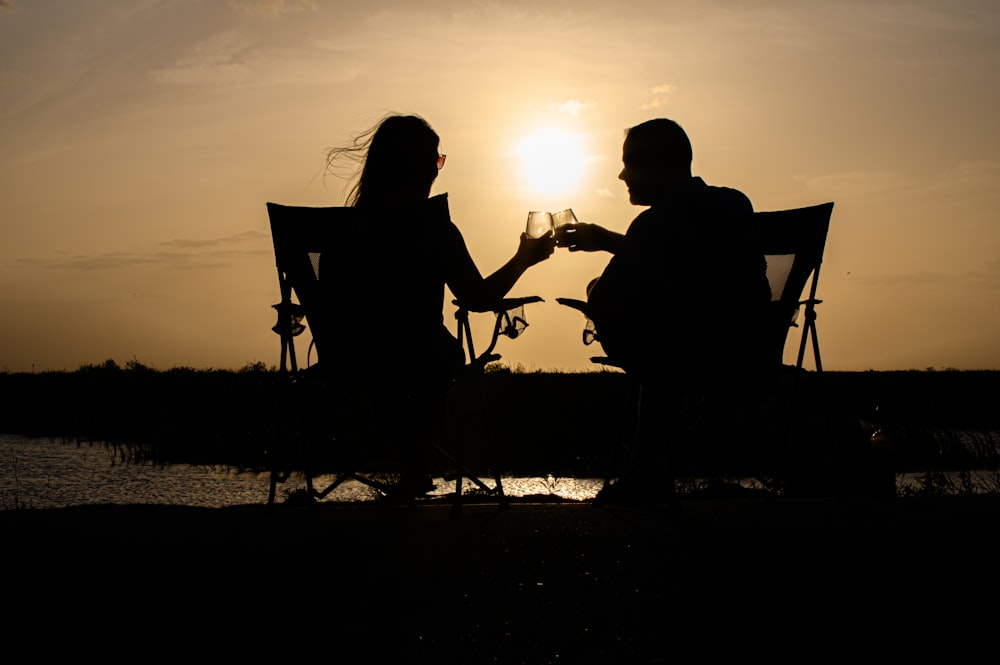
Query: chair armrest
[
  {"x": 502, "y": 306},
  {"x": 573, "y": 303},
  {"x": 510, "y": 303},
  {"x": 509, "y": 322}
]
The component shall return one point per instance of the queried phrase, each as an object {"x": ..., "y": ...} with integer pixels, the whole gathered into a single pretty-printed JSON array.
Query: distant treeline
[
  {"x": 236, "y": 418},
  {"x": 549, "y": 422}
]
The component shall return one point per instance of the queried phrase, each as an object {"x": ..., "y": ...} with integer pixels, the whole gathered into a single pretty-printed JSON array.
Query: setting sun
[{"x": 552, "y": 161}]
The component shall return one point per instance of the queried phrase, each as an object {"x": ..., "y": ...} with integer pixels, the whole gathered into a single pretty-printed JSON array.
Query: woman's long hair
[{"x": 398, "y": 157}]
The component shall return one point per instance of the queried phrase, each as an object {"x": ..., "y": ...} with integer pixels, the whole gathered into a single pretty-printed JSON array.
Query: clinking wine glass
[
  {"x": 539, "y": 224},
  {"x": 563, "y": 217}
]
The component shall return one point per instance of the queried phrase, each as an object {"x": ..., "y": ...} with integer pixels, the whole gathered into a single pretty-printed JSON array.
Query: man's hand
[{"x": 586, "y": 237}]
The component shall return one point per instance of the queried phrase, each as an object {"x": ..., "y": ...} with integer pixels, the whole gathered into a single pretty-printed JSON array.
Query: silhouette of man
[{"x": 685, "y": 261}]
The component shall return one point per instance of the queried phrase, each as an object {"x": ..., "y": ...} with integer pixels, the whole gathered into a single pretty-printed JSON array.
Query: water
[
  {"x": 47, "y": 473},
  {"x": 51, "y": 473}
]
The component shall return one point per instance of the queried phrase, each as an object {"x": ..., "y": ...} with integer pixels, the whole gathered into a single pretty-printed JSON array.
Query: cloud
[
  {"x": 572, "y": 107},
  {"x": 236, "y": 58},
  {"x": 236, "y": 238},
  {"x": 858, "y": 183},
  {"x": 965, "y": 193},
  {"x": 222, "y": 58},
  {"x": 987, "y": 277},
  {"x": 179, "y": 253},
  {"x": 272, "y": 8},
  {"x": 10, "y": 78},
  {"x": 661, "y": 96}
]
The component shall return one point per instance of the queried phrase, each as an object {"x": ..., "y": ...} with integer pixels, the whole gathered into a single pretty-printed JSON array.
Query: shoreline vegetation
[{"x": 944, "y": 423}]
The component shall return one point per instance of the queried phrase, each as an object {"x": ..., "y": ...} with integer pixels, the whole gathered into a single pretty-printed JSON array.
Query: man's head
[{"x": 656, "y": 154}]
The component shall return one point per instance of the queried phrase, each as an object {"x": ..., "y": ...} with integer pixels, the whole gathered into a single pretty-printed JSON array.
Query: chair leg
[
  {"x": 272, "y": 489},
  {"x": 287, "y": 418},
  {"x": 820, "y": 431},
  {"x": 687, "y": 435},
  {"x": 647, "y": 470},
  {"x": 483, "y": 432},
  {"x": 622, "y": 450}
]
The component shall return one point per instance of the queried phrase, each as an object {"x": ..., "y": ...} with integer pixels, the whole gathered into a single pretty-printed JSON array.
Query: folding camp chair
[
  {"x": 793, "y": 242},
  {"x": 315, "y": 440}
]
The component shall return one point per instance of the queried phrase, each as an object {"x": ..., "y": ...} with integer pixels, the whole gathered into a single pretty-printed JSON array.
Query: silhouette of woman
[{"x": 392, "y": 273}]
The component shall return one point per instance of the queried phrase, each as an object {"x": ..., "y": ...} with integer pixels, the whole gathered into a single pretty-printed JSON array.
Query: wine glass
[
  {"x": 563, "y": 217},
  {"x": 539, "y": 224}
]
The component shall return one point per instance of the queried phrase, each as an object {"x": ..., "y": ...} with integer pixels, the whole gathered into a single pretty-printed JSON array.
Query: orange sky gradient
[{"x": 140, "y": 140}]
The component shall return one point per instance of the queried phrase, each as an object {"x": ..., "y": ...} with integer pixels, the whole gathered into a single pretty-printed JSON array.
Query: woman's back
[{"x": 383, "y": 288}]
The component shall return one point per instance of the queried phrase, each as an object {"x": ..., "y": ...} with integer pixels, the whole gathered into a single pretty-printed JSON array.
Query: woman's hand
[{"x": 492, "y": 289}]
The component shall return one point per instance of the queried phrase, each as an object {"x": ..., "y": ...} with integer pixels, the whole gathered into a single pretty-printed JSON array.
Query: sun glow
[{"x": 552, "y": 161}]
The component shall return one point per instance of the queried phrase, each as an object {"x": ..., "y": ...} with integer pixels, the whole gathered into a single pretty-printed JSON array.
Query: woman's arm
[{"x": 480, "y": 294}]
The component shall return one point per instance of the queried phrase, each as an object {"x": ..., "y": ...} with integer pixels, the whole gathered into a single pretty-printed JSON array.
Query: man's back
[{"x": 683, "y": 263}]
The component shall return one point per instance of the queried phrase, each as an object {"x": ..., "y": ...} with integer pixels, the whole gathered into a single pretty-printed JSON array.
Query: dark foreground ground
[{"x": 803, "y": 580}]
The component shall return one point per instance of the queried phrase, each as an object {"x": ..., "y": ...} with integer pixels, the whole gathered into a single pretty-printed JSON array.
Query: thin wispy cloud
[
  {"x": 236, "y": 238},
  {"x": 980, "y": 175},
  {"x": 272, "y": 8},
  {"x": 235, "y": 57},
  {"x": 179, "y": 253},
  {"x": 225, "y": 57},
  {"x": 660, "y": 96},
  {"x": 987, "y": 277},
  {"x": 572, "y": 107}
]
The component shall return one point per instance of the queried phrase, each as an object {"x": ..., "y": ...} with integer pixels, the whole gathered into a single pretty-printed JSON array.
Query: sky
[{"x": 141, "y": 139}]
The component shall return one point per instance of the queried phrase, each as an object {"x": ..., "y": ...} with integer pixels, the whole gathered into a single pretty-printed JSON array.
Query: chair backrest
[
  {"x": 793, "y": 241},
  {"x": 300, "y": 234}
]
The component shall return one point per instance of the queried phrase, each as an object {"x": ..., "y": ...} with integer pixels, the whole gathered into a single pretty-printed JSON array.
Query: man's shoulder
[{"x": 728, "y": 198}]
